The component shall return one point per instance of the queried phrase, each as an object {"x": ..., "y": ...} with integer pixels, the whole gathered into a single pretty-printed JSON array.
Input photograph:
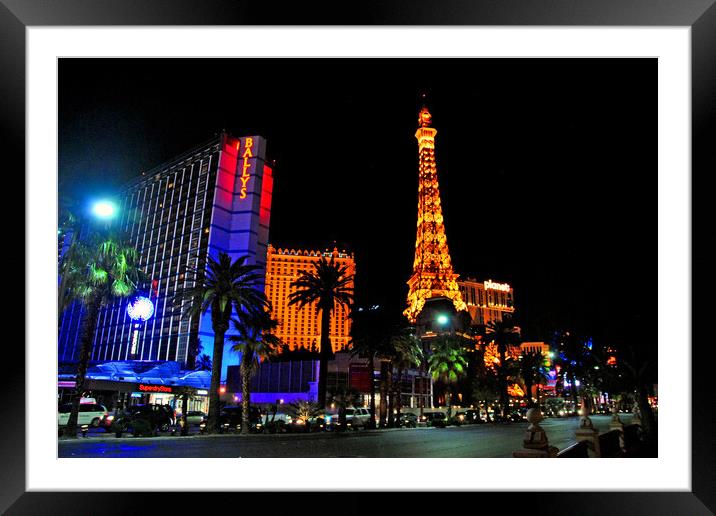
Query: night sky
[{"x": 547, "y": 167}]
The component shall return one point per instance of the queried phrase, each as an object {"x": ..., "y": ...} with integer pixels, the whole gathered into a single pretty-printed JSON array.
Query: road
[{"x": 485, "y": 440}]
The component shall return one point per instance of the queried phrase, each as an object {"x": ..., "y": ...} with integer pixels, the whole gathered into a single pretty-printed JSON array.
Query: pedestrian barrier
[
  {"x": 621, "y": 441},
  {"x": 610, "y": 445}
]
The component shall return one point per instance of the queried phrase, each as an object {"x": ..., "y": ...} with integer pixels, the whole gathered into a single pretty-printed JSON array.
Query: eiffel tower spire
[{"x": 433, "y": 275}]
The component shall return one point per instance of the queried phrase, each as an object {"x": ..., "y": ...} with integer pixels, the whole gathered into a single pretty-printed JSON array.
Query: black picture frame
[{"x": 699, "y": 15}]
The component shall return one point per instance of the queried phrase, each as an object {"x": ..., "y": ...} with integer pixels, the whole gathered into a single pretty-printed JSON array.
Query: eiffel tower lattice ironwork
[{"x": 433, "y": 275}]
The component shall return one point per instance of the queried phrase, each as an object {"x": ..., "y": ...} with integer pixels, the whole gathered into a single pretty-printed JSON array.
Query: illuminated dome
[{"x": 140, "y": 309}]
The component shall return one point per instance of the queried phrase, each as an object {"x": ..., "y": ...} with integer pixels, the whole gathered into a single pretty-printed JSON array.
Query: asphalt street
[{"x": 484, "y": 440}]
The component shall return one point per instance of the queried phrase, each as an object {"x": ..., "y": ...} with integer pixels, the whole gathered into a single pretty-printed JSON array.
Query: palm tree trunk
[
  {"x": 245, "y": 400},
  {"x": 504, "y": 396},
  {"x": 212, "y": 425},
  {"x": 372, "y": 390},
  {"x": 448, "y": 402},
  {"x": 648, "y": 421},
  {"x": 325, "y": 353},
  {"x": 539, "y": 396},
  {"x": 383, "y": 392},
  {"x": 389, "y": 389},
  {"x": 89, "y": 326},
  {"x": 398, "y": 396},
  {"x": 528, "y": 388},
  {"x": 575, "y": 393},
  {"x": 184, "y": 408}
]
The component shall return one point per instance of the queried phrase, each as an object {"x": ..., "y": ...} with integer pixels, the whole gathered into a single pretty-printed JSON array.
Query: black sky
[{"x": 547, "y": 167}]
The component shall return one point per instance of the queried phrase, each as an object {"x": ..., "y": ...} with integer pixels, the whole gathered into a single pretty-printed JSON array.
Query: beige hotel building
[
  {"x": 486, "y": 301},
  {"x": 301, "y": 328}
]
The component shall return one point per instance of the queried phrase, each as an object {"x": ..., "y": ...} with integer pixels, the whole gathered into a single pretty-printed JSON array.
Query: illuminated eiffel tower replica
[{"x": 433, "y": 275}]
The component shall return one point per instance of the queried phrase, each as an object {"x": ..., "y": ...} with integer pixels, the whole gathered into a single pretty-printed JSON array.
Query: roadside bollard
[
  {"x": 535, "y": 443},
  {"x": 587, "y": 431}
]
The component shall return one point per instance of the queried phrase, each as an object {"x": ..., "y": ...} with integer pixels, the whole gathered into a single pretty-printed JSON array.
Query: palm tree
[
  {"x": 224, "y": 288},
  {"x": 328, "y": 285},
  {"x": 484, "y": 384},
  {"x": 104, "y": 270},
  {"x": 447, "y": 363},
  {"x": 504, "y": 334},
  {"x": 640, "y": 370},
  {"x": 343, "y": 399},
  {"x": 71, "y": 269},
  {"x": 532, "y": 371},
  {"x": 203, "y": 363},
  {"x": 255, "y": 344},
  {"x": 407, "y": 354},
  {"x": 304, "y": 410},
  {"x": 368, "y": 340},
  {"x": 571, "y": 360}
]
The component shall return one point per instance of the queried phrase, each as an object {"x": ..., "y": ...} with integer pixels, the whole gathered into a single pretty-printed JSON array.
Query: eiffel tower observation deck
[{"x": 433, "y": 275}]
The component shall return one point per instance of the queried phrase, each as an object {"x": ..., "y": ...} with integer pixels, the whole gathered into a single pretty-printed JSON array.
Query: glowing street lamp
[
  {"x": 104, "y": 210},
  {"x": 139, "y": 310},
  {"x": 442, "y": 319}
]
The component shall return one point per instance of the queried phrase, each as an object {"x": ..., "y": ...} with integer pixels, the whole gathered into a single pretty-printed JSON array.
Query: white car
[
  {"x": 194, "y": 417},
  {"x": 90, "y": 414},
  {"x": 355, "y": 418}
]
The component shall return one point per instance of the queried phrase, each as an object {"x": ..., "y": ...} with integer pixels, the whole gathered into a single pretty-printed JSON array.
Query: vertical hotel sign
[{"x": 246, "y": 165}]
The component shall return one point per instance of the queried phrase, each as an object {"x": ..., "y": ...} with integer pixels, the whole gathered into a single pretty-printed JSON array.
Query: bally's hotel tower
[{"x": 214, "y": 198}]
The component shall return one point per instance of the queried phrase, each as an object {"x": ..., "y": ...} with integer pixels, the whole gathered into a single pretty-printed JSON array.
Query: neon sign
[
  {"x": 245, "y": 167},
  {"x": 153, "y": 388},
  {"x": 504, "y": 287}
]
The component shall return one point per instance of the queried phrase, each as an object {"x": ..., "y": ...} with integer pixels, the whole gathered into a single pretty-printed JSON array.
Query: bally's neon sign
[
  {"x": 504, "y": 287},
  {"x": 245, "y": 167}
]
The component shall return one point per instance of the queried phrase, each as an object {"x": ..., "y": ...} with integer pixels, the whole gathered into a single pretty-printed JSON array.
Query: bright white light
[
  {"x": 141, "y": 309},
  {"x": 442, "y": 319},
  {"x": 103, "y": 209}
]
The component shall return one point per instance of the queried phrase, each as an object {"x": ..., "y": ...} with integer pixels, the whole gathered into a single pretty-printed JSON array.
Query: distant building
[
  {"x": 300, "y": 328},
  {"x": 535, "y": 347},
  {"x": 487, "y": 301}
]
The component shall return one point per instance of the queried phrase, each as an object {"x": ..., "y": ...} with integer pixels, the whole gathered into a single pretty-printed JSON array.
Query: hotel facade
[
  {"x": 213, "y": 198},
  {"x": 300, "y": 328},
  {"x": 487, "y": 301}
]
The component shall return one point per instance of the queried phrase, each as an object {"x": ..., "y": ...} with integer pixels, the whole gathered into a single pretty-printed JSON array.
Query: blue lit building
[{"x": 215, "y": 197}]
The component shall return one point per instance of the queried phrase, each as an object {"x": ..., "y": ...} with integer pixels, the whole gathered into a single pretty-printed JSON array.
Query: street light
[
  {"x": 104, "y": 209},
  {"x": 443, "y": 319}
]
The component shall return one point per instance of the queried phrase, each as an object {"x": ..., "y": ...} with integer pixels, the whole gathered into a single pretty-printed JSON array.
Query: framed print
[{"x": 178, "y": 136}]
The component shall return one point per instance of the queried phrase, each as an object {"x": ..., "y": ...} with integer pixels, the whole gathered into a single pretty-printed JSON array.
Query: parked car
[
  {"x": 157, "y": 417},
  {"x": 195, "y": 417},
  {"x": 436, "y": 419},
  {"x": 458, "y": 419},
  {"x": 472, "y": 416},
  {"x": 276, "y": 423},
  {"x": 408, "y": 420},
  {"x": 317, "y": 424},
  {"x": 231, "y": 418},
  {"x": 513, "y": 417},
  {"x": 90, "y": 414},
  {"x": 355, "y": 418}
]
